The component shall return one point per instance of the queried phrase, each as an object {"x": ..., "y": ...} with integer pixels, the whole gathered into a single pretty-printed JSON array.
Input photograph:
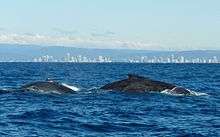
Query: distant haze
[{"x": 168, "y": 25}]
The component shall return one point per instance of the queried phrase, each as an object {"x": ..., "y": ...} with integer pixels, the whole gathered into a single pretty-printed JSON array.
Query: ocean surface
[{"x": 93, "y": 112}]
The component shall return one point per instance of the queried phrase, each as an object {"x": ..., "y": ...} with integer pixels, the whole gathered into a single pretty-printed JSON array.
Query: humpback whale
[
  {"x": 136, "y": 83},
  {"x": 180, "y": 90},
  {"x": 49, "y": 86}
]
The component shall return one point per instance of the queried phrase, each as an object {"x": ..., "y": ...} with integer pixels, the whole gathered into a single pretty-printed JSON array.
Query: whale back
[
  {"x": 135, "y": 77},
  {"x": 46, "y": 86},
  {"x": 138, "y": 83}
]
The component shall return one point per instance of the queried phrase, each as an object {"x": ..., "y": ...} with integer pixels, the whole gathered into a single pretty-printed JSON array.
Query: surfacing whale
[
  {"x": 135, "y": 83},
  {"x": 49, "y": 86}
]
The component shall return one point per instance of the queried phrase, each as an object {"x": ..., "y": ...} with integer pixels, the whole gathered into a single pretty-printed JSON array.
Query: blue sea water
[{"x": 93, "y": 112}]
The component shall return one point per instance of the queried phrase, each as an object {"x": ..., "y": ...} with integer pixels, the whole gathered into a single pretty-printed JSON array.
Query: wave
[
  {"x": 192, "y": 93},
  {"x": 42, "y": 113},
  {"x": 71, "y": 87},
  {"x": 4, "y": 90}
]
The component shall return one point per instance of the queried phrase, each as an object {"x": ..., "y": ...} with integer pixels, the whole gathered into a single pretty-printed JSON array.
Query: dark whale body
[
  {"x": 138, "y": 83},
  {"x": 47, "y": 86}
]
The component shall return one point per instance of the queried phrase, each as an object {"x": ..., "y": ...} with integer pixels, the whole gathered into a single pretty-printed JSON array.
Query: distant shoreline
[{"x": 99, "y": 63}]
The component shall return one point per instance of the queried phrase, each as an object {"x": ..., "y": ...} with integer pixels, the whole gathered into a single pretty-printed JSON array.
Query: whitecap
[
  {"x": 71, "y": 87},
  {"x": 197, "y": 93},
  {"x": 192, "y": 93}
]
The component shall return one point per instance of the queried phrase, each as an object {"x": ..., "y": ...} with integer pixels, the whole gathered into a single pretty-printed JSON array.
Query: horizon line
[{"x": 95, "y": 48}]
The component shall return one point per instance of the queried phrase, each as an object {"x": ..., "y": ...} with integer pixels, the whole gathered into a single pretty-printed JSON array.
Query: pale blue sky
[{"x": 170, "y": 24}]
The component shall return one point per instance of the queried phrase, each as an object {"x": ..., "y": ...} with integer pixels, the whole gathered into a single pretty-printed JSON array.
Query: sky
[{"x": 126, "y": 24}]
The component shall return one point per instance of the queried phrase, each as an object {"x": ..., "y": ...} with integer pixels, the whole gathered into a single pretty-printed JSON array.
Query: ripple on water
[{"x": 93, "y": 112}]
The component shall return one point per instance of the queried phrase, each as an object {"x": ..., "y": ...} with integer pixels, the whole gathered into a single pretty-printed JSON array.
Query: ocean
[{"x": 93, "y": 112}]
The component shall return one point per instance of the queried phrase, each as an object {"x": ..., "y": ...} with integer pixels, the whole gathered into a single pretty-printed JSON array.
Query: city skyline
[
  {"x": 142, "y": 24},
  {"x": 27, "y": 53},
  {"x": 135, "y": 59}
]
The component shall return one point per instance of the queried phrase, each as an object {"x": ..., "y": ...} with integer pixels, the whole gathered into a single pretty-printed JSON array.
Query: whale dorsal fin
[
  {"x": 134, "y": 76},
  {"x": 49, "y": 80}
]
